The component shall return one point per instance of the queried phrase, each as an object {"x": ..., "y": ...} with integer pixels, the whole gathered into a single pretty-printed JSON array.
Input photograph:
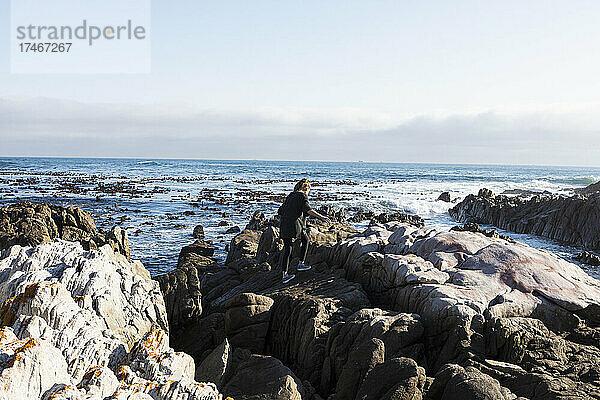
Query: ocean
[{"x": 159, "y": 202}]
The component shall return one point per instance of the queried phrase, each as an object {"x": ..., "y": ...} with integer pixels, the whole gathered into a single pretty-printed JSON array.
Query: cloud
[{"x": 567, "y": 134}]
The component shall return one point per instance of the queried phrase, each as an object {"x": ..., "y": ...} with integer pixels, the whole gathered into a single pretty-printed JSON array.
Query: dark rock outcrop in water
[
  {"x": 571, "y": 220},
  {"x": 28, "y": 224},
  {"x": 445, "y": 196},
  {"x": 398, "y": 311},
  {"x": 387, "y": 217}
]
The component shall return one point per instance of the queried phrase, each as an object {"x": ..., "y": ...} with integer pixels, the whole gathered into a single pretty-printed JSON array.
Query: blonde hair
[{"x": 302, "y": 186}]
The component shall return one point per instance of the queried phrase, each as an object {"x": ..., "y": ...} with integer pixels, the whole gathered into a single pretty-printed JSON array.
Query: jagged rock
[
  {"x": 400, "y": 333},
  {"x": 454, "y": 382},
  {"x": 233, "y": 229},
  {"x": 243, "y": 245},
  {"x": 134, "y": 387},
  {"x": 330, "y": 212},
  {"x": 30, "y": 366},
  {"x": 473, "y": 227},
  {"x": 198, "y": 232},
  {"x": 588, "y": 258},
  {"x": 100, "y": 382},
  {"x": 154, "y": 360},
  {"x": 199, "y": 248},
  {"x": 96, "y": 317},
  {"x": 182, "y": 296},
  {"x": 573, "y": 220},
  {"x": 201, "y": 336},
  {"x": 398, "y": 378},
  {"x": 117, "y": 239},
  {"x": 302, "y": 316},
  {"x": 445, "y": 196},
  {"x": 480, "y": 278},
  {"x": 360, "y": 362},
  {"x": 259, "y": 222},
  {"x": 103, "y": 282},
  {"x": 247, "y": 321},
  {"x": 269, "y": 246},
  {"x": 388, "y": 217},
  {"x": 29, "y": 224},
  {"x": 214, "y": 367},
  {"x": 257, "y": 377}
]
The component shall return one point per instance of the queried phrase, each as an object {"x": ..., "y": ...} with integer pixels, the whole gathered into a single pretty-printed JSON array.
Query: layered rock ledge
[
  {"x": 80, "y": 324},
  {"x": 398, "y": 311},
  {"x": 572, "y": 220}
]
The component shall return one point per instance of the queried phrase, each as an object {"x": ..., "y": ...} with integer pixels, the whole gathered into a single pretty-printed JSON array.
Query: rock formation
[
  {"x": 28, "y": 224},
  {"x": 400, "y": 311},
  {"x": 397, "y": 311},
  {"x": 572, "y": 220},
  {"x": 80, "y": 324}
]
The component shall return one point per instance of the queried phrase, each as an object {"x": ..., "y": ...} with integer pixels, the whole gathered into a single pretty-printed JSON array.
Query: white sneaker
[
  {"x": 303, "y": 267},
  {"x": 288, "y": 277}
]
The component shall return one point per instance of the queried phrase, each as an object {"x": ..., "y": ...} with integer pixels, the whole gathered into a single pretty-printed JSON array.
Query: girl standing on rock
[{"x": 293, "y": 213}]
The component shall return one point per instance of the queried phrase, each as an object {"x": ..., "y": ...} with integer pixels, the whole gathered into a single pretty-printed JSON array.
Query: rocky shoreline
[
  {"x": 395, "y": 311},
  {"x": 573, "y": 220}
]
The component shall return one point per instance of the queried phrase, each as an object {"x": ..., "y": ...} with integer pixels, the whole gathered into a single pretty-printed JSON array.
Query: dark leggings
[{"x": 284, "y": 261}]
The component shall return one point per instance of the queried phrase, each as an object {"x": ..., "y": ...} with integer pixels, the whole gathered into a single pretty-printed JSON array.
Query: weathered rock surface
[
  {"x": 588, "y": 258},
  {"x": 29, "y": 224},
  {"x": 445, "y": 196},
  {"x": 460, "y": 284},
  {"x": 198, "y": 232},
  {"x": 181, "y": 287},
  {"x": 86, "y": 324},
  {"x": 247, "y": 321},
  {"x": 399, "y": 311},
  {"x": 384, "y": 218},
  {"x": 573, "y": 220}
]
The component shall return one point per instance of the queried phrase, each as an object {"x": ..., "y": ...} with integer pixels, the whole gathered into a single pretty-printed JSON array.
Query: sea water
[{"x": 160, "y": 201}]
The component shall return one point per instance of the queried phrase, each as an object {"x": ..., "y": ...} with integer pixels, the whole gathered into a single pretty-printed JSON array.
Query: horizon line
[{"x": 312, "y": 161}]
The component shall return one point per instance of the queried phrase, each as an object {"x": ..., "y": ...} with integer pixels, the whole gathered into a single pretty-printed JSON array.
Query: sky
[{"x": 506, "y": 82}]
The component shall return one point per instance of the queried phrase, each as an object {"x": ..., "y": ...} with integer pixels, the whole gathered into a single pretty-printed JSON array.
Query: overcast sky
[{"x": 433, "y": 81}]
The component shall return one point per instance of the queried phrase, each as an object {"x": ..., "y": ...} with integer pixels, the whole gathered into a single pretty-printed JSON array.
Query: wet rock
[
  {"x": 588, "y": 258},
  {"x": 384, "y": 218},
  {"x": 199, "y": 247},
  {"x": 445, "y": 196},
  {"x": 223, "y": 223},
  {"x": 259, "y": 222},
  {"x": 473, "y": 227},
  {"x": 198, "y": 232},
  {"x": 233, "y": 229},
  {"x": 334, "y": 215}
]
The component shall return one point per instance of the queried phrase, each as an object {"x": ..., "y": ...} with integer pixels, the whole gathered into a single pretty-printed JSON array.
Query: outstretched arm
[{"x": 315, "y": 214}]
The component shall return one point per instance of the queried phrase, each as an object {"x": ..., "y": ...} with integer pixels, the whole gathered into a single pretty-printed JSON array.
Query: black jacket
[{"x": 293, "y": 214}]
